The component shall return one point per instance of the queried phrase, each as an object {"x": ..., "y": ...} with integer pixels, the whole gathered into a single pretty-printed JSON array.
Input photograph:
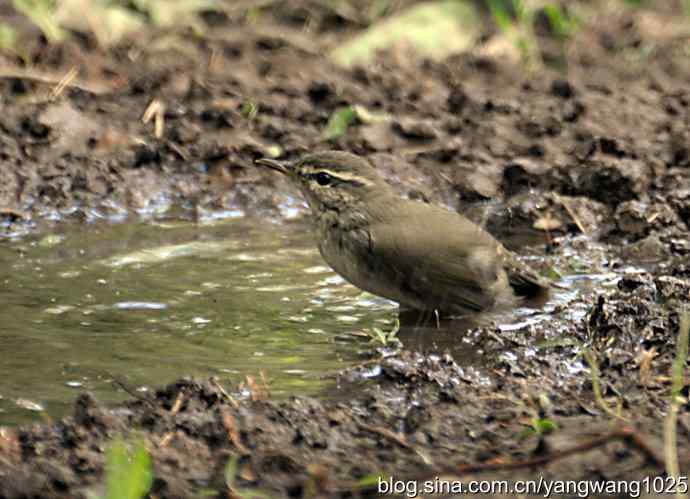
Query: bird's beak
[{"x": 279, "y": 166}]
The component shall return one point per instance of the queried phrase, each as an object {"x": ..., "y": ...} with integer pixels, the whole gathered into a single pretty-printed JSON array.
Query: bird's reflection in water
[{"x": 427, "y": 332}]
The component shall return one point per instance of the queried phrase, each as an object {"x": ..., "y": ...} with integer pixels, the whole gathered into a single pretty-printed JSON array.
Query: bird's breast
[{"x": 348, "y": 252}]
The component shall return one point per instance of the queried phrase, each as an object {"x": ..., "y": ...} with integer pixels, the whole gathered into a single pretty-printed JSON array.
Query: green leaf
[
  {"x": 249, "y": 110},
  {"x": 368, "y": 480},
  {"x": 561, "y": 24},
  {"x": 108, "y": 22},
  {"x": 678, "y": 365},
  {"x": 522, "y": 14},
  {"x": 165, "y": 13},
  {"x": 553, "y": 273},
  {"x": 128, "y": 474},
  {"x": 338, "y": 122},
  {"x": 42, "y": 14},
  {"x": 379, "y": 335},
  {"x": 230, "y": 471},
  {"x": 385, "y": 338},
  {"x": 8, "y": 37},
  {"x": 543, "y": 426},
  {"x": 435, "y": 29},
  {"x": 500, "y": 14}
]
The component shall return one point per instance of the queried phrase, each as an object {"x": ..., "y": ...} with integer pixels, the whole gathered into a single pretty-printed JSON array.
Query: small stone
[{"x": 562, "y": 88}]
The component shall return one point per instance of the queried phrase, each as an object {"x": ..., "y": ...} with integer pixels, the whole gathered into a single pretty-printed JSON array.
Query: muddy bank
[
  {"x": 608, "y": 131},
  {"x": 413, "y": 420}
]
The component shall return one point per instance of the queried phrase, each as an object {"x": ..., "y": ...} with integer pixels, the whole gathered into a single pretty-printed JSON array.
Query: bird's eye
[{"x": 323, "y": 178}]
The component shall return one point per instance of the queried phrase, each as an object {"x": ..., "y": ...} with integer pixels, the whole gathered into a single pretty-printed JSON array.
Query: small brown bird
[{"x": 422, "y": 256}]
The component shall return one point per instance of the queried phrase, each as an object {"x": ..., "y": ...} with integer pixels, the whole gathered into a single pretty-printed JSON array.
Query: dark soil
[{"x": 592, "y": 161}]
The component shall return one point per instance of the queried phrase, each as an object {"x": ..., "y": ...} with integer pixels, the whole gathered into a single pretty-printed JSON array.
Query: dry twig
[
  {"x": 225, "y": 394},
  {"x": 177, "y": 405},
  {"x": 131, "y": 392},
  {"x": 64, "y": 82},
  {"x": 395, "y": 437},
  {"x": 230, "y": 426},
  {"x": 671, "y": 421}
]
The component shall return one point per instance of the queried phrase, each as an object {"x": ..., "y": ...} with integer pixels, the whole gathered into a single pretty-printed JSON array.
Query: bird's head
[{"x": 331, "y": 179}]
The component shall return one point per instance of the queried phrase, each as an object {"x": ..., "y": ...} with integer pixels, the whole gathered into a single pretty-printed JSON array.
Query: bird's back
[{"x": 439, "y": 259}]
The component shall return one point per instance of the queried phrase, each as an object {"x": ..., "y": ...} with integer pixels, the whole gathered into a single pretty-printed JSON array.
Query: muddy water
[
  {"x": 148, "y": 303},
  {"x": 145, "y": 303}
]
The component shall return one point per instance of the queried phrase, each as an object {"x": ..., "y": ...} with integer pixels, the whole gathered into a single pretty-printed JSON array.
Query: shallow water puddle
[{"x": 147, "y": 304}]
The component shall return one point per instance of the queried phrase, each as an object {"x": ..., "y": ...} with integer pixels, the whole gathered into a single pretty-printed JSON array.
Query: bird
[{"x": 423, "y": 256}]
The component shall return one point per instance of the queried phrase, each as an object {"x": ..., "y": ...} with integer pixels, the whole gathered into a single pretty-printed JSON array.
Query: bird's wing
[{"x": 439, "y": 256}]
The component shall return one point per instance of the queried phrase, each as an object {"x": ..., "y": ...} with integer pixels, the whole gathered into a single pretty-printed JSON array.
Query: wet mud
[{"x": 584, "y": 171}]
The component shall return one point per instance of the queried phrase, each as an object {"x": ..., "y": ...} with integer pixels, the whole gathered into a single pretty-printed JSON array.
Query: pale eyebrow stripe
[{"x": 345, "y": 177}]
